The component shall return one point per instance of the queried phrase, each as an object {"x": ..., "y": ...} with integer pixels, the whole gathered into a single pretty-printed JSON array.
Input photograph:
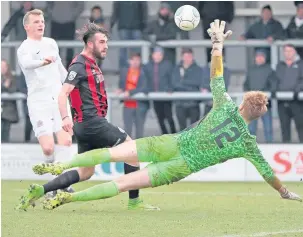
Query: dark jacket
[
  {"x": 211, "y": 10},
  {"x": 22, "y": 87},
  {"x": 165, "y": 70},
  {"x": 174, "y": 5},
  {"x": 129, "y": 15},
  {"x": 294, "y": 32},
  {"x": 141, "y": 85},
  {"x": 259, "y": 30},
  {"x": 261, "y": 78},
  {"x": 290, "y": 78},
  {"x": 163, "y": 30},
  {"x": 190, "y": 81},
  {"x": 15, "y": 21},
  {"x": 9, "y": 107},
  {"x": 205, "y": 84}
]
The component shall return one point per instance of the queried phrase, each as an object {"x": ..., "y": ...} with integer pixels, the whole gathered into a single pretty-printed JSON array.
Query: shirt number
[{"x": 230, "y": 137}]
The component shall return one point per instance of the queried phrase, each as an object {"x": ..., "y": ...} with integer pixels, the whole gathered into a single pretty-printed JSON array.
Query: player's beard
[{"x": 97, "y": 54}]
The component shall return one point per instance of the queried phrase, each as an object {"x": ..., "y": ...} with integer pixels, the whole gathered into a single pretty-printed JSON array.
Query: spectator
[
  {"x": 9, "y": 113},
  {"x": 294, "y": 29},
  {"x": 163, "y": 28},
  {"x": 290, "y": 78},
  {"x": 266, "y": 28},
  {"x": 174, "y": 5},
  {"x": 96, "y": 16},
  {"x": 211, "y": 10},
  {"x": 16, "y": 22},
  {"x": 63, "y": 16},
  {"x": 261, "y": 77},
  {"x": 132, "y": 18},
  {"x": 205, "y": 87},
  {"x": 186, "y": 77},
  {"x": 133, "y": 80},
  {"x": 28, "y": 128},
  {"x": 158, "y": 72}
]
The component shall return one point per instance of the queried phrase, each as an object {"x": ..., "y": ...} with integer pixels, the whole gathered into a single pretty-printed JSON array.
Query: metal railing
[
  {"x": 146, "y": 45},
  {"x": 163, "y": 96},
  {"x": 145, "y": 52}
]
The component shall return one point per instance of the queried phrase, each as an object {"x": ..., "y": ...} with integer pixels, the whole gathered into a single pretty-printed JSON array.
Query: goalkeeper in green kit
[{"x": 222, "y": 135}]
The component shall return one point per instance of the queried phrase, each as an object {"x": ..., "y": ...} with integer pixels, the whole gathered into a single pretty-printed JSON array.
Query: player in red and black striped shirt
[{"x": 84, "y": 86}]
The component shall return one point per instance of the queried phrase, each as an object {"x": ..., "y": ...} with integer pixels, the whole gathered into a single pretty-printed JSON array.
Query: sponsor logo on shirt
[{"x": 98, "y": 77}]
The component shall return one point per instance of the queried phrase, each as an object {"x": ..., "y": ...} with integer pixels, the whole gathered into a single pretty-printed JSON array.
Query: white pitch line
[
  {"x": 211, "y": 193},
  {"x": 263, "y": 234}
]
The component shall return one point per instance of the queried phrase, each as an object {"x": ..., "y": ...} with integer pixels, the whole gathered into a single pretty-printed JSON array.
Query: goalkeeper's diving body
[{"x": 222, "y": 135}]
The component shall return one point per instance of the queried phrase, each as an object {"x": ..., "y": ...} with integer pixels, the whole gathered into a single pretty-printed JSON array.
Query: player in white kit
[{"x": 44, "y": 73}]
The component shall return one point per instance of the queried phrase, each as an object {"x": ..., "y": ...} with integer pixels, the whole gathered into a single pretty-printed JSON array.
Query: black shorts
[{"x": 97, "y": 133}]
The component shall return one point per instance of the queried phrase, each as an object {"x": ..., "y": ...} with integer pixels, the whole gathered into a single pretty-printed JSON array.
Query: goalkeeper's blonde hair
[
  {"x": 35, "y": 12},
  {"x": 254, "y": 103}
]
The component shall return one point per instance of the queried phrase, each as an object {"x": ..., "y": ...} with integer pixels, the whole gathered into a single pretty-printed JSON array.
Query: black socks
[
  {"x": 129, "y": 169},
  {"x": 62, "y": 181}
]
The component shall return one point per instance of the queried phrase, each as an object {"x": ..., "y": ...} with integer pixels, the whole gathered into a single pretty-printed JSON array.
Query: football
[{"x": 187, "y": 17}]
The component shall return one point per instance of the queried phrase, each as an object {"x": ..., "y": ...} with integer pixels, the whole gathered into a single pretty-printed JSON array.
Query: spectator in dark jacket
[
  {"x": 290, "y": 78},
  {"x": 261, "y": 77},
  {"x": 96, "y": 16},
  {"x": 131, "y": 18},
  {"x": 266, "y": 28},
  {"x": 16, "y": 22},
  {"x": 133, "y": 80},
  {"x": 28, "y": 128},
  {"x": 211, "y": 10},
  {"x": 64, "y": 15},
  {"x": 205, "y": 87},
  {"x": 294, "y": 29},
  {"x": 163, "y": 28},
  {"x": 158, "y": 72},
  {"x": 186, "y": 77},
  {"x": 174, "y": 5},
  {"x": 9, "y": 113}
]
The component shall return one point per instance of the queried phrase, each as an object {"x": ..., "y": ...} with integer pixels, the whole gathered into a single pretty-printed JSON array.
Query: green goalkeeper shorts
[{"x": 167, "y": 165}]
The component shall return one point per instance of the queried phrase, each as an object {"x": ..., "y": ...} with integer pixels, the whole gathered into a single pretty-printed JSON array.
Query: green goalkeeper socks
[
  {"x": 89, "y": 159},
  {"x": 101, "y": 191}
]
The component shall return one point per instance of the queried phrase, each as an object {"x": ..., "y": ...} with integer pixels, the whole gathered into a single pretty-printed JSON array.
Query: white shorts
[{"x": 45, "y": 119}]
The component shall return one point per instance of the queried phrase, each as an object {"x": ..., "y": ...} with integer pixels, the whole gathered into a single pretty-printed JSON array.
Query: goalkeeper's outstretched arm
[
  {"x": 268, "y": 175},
  {"x": 217, "y": 85}
]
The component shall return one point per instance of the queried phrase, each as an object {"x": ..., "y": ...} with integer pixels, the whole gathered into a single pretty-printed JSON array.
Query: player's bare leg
[
  {"x": 47, "y": 144},
  {"x": 126, "y": 152},
  {"x": 136, "y": 180},
  {"x": 64, "y": 138}
]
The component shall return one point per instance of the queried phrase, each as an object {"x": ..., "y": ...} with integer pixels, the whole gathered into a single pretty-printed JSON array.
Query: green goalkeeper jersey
[{"x": 220, "y": 136}]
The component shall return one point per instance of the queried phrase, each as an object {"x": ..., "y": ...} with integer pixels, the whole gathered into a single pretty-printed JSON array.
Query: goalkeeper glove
[
  {"x": 285, "y": 194},
  {"x": 216, "y": 33}
]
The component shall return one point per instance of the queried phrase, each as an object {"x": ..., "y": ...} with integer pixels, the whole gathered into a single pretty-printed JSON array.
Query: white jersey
[{"x": 43, "y": 82}]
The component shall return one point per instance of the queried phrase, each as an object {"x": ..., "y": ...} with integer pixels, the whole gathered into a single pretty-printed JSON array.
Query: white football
[{"x": 187, "y": 17}]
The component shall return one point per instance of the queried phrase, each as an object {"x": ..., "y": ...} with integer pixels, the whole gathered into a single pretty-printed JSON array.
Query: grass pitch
[{"x": 187, "y": 210}]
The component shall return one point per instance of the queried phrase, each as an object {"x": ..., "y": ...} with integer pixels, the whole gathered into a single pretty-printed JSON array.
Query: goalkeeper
[{"x": 222, "y": 135}]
